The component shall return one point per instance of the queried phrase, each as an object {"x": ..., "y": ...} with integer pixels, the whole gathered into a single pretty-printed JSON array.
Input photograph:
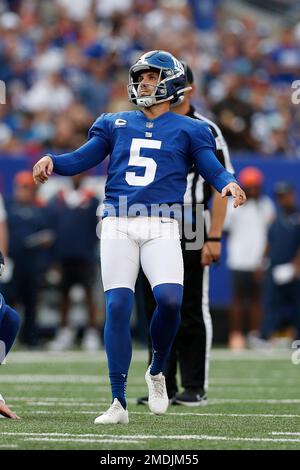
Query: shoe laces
[
  {"x": 113, "y": 407},
  {"x": 158, "y": 386}
]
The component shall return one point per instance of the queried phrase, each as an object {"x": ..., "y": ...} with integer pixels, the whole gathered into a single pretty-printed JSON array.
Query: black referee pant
[{"x": 192, "y": 344}]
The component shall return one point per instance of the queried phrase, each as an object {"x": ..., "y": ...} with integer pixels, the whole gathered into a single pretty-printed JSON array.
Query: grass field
[{"x": 254, "y": 403}]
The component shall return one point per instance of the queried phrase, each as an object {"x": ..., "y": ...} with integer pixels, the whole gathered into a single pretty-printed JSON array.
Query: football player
[
  {"x": 151, "y": 151},
  {"x": 9, "y": 327}
]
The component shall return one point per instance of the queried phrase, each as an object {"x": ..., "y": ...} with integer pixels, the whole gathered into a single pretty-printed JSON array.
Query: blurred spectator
[
  {"x": 76, "y": 10},
  {"x": 60, "y": 52},
  {"x": 107, "y": 9},
  {"x": 50, "y": 93},
  {"x": 234, "y": 116},
  {"x": 247, "y": 235},
  {"x": 94, "y": 89},
  {"x": 282, "y": 287},
  {"x": 73, "y": 215},
  {"x": 28, "y": 237},
  {"x": 204, "y": 13},
  {"x": 284, "y": 58}
]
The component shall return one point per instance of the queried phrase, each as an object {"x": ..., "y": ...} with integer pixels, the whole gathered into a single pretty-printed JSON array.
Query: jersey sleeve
[
  {"x": 94, "y": 151},
  {"x": 203, "y": 152},
  {"x": 101, "y": 129}
]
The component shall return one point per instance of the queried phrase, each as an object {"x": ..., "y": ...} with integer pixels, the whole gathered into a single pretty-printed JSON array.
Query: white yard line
[
  {"x": 77, "y": 403},
  {"x": 79, "y": 387},
  {"x": 237, "y": 415},
  {"x": 252, "y": 381},
  {"x": 212, "y": 401},
  {"x": 233, "y": 415},
  {"x": 8, "y": 446},
  {"x": 271, "y": 401},
  {"x": 55, "y": 378},
  {"x": 49, "y": 357},
  {"x": 65, "y": 378},
  {"x": 66, "y": 437},
  {"x": 23, "y": 357},
  {"x": 182, "y": 438},
  {"x": 99, "y": 441},
  {"x": 49, "y": 401},
  {"x": 49, "y": 378},
  {"x": 217, "y": 401}
]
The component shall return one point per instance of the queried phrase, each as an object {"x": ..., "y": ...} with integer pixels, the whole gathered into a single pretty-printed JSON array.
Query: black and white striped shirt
[{"x": 198, "y": 190}]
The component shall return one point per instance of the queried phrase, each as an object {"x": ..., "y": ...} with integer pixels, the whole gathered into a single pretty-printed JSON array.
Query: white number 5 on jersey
[{"x": 136, "y": 160}]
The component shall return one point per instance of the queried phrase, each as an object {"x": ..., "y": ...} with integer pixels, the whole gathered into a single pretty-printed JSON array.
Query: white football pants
[{"x": 152, "y": 242}]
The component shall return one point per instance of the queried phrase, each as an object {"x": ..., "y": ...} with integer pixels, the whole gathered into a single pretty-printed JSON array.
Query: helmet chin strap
[{"x": 146, "y": 101}]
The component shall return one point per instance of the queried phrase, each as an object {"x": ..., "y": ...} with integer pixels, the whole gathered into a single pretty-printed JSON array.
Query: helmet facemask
[{"x": 158, "y": 95}]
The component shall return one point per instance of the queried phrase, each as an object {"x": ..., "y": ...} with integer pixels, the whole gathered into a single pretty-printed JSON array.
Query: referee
[{"x": 191, "y": 348}]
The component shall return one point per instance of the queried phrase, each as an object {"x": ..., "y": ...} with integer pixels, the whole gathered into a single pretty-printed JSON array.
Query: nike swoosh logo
[{"x": 120, "y": 122}]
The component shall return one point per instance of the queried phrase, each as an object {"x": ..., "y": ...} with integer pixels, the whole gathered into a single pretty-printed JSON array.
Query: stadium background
[{"x": 65, "y": 62}]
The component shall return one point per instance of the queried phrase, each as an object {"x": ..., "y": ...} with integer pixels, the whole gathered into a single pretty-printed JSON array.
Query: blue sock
[
  {"x": 9, "y": 327},
  {"x": 165, "y": 323},
  {"x": 117, "y": 339}
]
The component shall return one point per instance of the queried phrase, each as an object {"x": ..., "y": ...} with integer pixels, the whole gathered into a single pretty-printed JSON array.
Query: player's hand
[
  {"x": 6, "y": 412},
  {"x": 210, "y": 253},
  {"x": 42, "y": 170},
  {"x": 233, "y": 189}
]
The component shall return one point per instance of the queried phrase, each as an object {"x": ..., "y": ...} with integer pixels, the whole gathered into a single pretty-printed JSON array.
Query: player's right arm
[{"x": 87, "y": 156}]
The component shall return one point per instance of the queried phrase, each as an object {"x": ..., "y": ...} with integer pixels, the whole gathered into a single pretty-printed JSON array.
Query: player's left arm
[
  {"x": 203, "y": 152},
  {"x": 94, "y": 151},
  {"x": 68, "y": 164}
]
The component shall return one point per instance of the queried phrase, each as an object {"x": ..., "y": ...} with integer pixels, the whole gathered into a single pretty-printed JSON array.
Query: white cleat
[
  {"x": 158, "y": 400},
  {"x": 114, "y": 415}
]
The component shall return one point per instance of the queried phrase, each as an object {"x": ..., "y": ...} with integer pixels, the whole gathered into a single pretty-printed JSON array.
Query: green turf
[{"x": 58, "y": 397}]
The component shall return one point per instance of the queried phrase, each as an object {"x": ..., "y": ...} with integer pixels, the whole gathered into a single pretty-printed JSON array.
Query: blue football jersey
[{"x": 150, "y": 159}]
